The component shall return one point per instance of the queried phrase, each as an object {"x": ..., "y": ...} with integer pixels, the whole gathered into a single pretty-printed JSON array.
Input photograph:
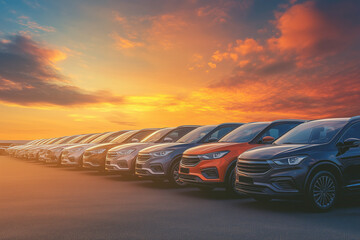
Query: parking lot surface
[{"x": 44, "y": 202}]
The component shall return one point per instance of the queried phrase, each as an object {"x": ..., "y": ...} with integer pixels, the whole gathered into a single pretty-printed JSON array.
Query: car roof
[
  {"x": 189, "y": 126},
  {"x": 289, "y": 120}
]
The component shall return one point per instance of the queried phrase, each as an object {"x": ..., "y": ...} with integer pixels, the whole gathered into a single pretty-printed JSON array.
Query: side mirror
[
  {"x": 268, "y": 139},
  {"x": 351, "y": 142},
  {"x": 213, "y": 139},
  {"x": 168, "y": 140},
  {"x": 134, "y": 140}
]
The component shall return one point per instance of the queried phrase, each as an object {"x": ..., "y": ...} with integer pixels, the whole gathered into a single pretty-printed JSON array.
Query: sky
[{"x": 72, "y": 67}]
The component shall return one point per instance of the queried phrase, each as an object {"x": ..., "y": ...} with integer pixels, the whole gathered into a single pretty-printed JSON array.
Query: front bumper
[
  {"x": 277, "y": 182},
  {"x": 94, "y": 161},
  {"x": 153, "y": 167},
  {"x": 114, "y": 163},
  {"x": 206, "y": 172},
  {"x": 71, "y": 160}
]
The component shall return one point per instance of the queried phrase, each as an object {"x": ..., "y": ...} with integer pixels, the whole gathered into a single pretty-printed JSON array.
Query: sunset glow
[{"x": 70, "y": 67}]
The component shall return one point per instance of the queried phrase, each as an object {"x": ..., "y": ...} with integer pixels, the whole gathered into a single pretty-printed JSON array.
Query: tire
[
  {"x": 230, "y": 182},
  {"x": 322, "y": 192},
  {"x": 174, "y": 175}
]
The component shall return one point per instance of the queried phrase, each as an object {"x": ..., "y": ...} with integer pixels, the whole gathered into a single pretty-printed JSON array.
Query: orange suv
[{"x": 212, "y": 165}]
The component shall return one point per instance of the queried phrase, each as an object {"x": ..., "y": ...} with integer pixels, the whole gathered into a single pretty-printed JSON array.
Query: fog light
[
  {"x": 123, "y": 164},
  {"x": 156, "y": 168},
  {"x": 210, "y": 173}
]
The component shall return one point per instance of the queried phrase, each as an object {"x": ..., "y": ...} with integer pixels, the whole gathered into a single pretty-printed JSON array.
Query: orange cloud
[
  {"x": 309, "y": 30},
  {"x": 123, "y": 43},
  {"x": 247, "y": 46}
]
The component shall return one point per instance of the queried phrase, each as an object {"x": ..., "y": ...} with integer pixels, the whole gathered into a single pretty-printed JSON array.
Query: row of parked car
[{"x": 315, "y": 160}]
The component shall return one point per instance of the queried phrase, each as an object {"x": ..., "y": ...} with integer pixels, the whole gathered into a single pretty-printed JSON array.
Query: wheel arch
[
  {"x": 228, "y": 169},
  {"x": 172, "y": 162},
  {"x": 324, "y": 166}
]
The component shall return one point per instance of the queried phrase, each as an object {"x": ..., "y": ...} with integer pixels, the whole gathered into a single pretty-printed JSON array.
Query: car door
[{"x": 350, "y": 157}]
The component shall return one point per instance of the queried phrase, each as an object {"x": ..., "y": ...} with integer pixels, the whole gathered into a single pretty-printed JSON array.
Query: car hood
[
  {"x": 219, "y": 146},
  {"x": 137, "y": 146},
  {"x": 276, "y": 151},
  {"x": 166, "y": 146}
]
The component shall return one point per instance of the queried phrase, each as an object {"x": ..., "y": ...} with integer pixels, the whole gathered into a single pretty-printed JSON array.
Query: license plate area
[{"x": 245, "y": 180}]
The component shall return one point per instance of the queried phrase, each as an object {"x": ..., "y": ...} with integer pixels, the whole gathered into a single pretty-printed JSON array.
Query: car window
[
  {"x": 219, "y": 133},
  {"x": 139, "y": 136},
  {"x": 278, "y": 130},
  {"x": 197, "y": 134},
  {"x": 178, "y": 133},
  {"x": 352, "y": 132},
  {"x": 156, "y": 136},
  {"x": 123, "y": 137},
  {"x": 91, "y": 138},
  {"x": 113, "y": 136},
  {"x": 244, "y": 133},
  {"x": 315, "y": 132}
]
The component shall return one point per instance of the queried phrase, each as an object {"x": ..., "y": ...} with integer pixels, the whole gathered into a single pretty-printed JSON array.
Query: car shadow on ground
[
  {"x": 155, "y": 185},
  {"x": 216, "y": 194},
  {"x": 299, "y": 206}
]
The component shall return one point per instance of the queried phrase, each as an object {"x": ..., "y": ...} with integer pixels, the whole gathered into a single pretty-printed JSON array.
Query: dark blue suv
[{"x": 317, "y": 160}]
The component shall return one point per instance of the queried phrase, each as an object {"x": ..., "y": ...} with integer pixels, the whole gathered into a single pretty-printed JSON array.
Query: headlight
[
  {"x": 160, "y": 153},
  {"x": 213, "y": 155},
  {"x": 125, "y": 152},
  {"x": 295, "y": 160}
]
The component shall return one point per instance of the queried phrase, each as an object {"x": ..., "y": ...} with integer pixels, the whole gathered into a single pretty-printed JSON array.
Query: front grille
[
  {"x": 190, "y": 161},
  {"x": 143, "y": 158},
  {"x": 253, "y": 166},
  {"x": 250, "y": 187}
]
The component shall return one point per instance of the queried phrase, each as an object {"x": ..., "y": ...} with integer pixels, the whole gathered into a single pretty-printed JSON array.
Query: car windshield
[
  {"x": 66, "y": 139},
  {"x": 90, "y": 138},
  {"x": 244, "y": 133},
  {"x": 102, "y": 137},
  {"x": 55, "y": 141},
  {"x": 94, "y": 140},
  {"x": 315, "y": 132},
  {"x": 197, "y": 134},
  {"x": 123, "y": 137},
  {"x": 156, "y": 136},
  {"x": 78, "y": 139}
]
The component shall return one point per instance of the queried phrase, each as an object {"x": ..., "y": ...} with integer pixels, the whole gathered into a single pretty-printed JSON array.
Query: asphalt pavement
[{"x": 46, "y": 202}]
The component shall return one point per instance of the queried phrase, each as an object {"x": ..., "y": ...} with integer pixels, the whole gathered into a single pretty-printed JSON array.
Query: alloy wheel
[{"x": 324, "y": 191}]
